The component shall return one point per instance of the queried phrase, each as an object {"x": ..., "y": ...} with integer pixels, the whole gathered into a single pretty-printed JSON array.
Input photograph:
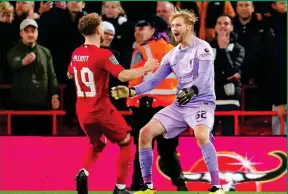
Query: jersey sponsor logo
[
  {"x": 203, "y": 55},
  {"x": 186, "y": 78},
  {"x": 206, "y": 53},
  {"x": 113, "y": 60}
]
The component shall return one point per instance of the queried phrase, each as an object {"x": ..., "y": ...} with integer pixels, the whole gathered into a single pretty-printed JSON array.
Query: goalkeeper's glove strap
[
  {"x": 131, "y": 92},
  {"x": 195, "y": 89}
]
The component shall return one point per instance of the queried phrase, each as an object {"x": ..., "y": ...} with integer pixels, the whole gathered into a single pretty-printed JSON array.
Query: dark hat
[
  {"x": 156, "y": 22},
  {"x": 142, "y": 23}
]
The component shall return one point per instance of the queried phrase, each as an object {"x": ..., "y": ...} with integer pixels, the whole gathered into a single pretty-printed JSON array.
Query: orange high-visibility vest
[{"x": 165, "y": 93}]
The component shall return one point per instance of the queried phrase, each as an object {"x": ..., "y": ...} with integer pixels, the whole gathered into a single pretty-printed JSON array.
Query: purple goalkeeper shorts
[{"x": 177, "y": 119}]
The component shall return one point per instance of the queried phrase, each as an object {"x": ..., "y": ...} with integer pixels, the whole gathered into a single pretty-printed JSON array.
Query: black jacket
[
  {"x": 227, "y": 62},
  {"x": 259, "y": 47},
  {"x": 35, "y": 83},
  {"x": 7, "y": 41},
  {"x": 60, "y": 35},
  {"x": 277, "y": 23}
]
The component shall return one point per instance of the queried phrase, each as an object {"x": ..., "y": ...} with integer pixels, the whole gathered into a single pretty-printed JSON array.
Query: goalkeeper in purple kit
[{"x": 192, "y": 61}]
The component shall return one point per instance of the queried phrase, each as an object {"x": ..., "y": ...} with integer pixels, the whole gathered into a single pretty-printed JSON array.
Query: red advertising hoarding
[{"x": 51, "y": 163}]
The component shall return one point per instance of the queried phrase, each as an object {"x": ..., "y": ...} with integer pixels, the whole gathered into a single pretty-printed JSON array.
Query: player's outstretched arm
[
  {"x": 127, "y": 75},
  {"x": 149, "y": 84},
  {"x": 124, "y": 92}
]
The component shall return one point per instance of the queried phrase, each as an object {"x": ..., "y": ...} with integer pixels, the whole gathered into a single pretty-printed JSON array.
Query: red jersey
[{"x": 91, "y": 67}]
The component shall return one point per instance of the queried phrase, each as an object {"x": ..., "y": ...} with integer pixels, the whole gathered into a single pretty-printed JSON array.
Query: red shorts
[{"x": 108, "y": 122}]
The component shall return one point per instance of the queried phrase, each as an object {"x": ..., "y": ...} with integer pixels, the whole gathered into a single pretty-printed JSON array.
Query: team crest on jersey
[{"x": 113, "y": 60}]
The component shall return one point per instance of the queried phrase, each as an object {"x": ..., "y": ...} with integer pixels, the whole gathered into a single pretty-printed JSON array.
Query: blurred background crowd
[{"x": 248, "y": 41}]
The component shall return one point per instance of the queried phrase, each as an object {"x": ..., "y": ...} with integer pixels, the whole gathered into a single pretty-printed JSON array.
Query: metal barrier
[
  {"x": 56, "y": 113},
  {"x": 53, "y": 113},
  {"x": 63, "y": 86},
  {"x": 236, "y": 115}
]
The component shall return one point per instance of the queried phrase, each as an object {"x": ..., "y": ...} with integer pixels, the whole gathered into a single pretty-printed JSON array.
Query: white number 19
[{"x": 89, "y": 83}]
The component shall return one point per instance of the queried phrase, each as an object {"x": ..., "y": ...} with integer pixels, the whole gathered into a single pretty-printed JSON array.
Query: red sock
[
  {"x": 90, "y": 157},
  {"x": 124, "y": 161}
]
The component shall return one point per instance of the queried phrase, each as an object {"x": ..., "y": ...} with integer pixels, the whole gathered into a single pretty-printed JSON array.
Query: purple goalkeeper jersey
[{"x": 192, "y": 66}]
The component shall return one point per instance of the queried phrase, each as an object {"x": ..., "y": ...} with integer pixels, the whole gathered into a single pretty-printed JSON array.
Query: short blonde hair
[
  {"x": 188, "y": 16},
  {"x": 6, "y": 8},
  {"x": 121, "y": 11}
]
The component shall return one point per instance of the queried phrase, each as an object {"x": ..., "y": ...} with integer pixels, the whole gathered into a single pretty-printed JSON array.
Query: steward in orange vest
[{"x": 165, "y": 93}]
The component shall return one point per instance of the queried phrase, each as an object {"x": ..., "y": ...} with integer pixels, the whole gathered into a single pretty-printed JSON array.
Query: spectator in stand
[
  {"x": 47, "y": 11},
  {"x": 6, "y": 18},
  {"x": 277, "y": 20},
  {"x": 6, "y": 12},
  {"x": 229, "y": 56},
  {"x": 259, "y": 47},
  {"x": 262, "y": 8},
  {"x": 109, "y": 32},
  {"x": 249, "y": 30},
  {"x": 59, "y": 33},
  {"x": 47, "y": 6},
  {"x": 165, "y": 9},
  {"x": 124, "y": 29},
  {"x": 208, "y": 12},
  {"x": 34, "y": 85},
  {"x": 58, "y": 28},
  {"x": 23, "y": 10}
]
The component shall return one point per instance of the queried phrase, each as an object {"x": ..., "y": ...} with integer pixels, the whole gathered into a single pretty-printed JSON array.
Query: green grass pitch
[{"x": 99, "y": 192}]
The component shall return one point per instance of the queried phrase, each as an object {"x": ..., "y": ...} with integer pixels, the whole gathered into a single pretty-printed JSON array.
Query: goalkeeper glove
[
  {"x": 185, "y": 95},
  {"x": 119, "y": 92}
]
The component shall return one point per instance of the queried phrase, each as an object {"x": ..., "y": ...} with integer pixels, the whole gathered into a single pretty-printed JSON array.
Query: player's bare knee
[
  {"x": 145, "y": 135},
  {"x": 153, "y": 129},
  {"x": 202, "y": 134},
  {"x": 202, "y": 140}
]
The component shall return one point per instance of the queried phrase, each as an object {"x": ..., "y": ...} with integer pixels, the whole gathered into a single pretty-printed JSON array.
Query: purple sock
[
  {"x": 146, "y": 159},
  {"x": 210, "y": 157}
]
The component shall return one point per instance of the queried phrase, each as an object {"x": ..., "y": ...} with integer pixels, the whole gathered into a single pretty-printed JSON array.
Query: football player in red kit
[{"x": 90, "y": 68}]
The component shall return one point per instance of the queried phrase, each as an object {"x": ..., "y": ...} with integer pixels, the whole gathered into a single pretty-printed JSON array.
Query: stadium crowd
[{"x": 248, "y": 41}]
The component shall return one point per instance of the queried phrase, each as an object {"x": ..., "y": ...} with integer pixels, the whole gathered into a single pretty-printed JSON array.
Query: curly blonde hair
[
  {"x": 88, "y": 24},
  {"x": 6, "y": 8}
]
